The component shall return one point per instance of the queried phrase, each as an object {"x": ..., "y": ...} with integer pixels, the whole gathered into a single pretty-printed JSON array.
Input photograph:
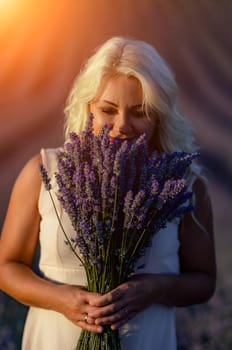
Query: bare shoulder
[
  {"x": 196, "y": 233},
  {"x": 25, "y": 192},
  {"x": 28, "y": 180},
  {"x": 201, "y": 191},
  {"x": 202, "y": 217},
  {"x": 30, "y": 169},
  {"x": 203, "y": 207}
]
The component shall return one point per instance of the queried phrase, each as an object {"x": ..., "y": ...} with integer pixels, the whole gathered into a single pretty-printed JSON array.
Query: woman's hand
[
  {"x": 75, "y": 304},
  {"x": 116, "y": 307}
]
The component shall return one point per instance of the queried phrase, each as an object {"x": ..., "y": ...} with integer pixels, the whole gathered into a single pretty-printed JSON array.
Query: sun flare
[
  {"x": 7, "y": 4},
  {"x": 9, "y": 9}
]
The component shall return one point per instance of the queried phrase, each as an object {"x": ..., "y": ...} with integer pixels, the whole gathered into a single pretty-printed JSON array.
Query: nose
[{"x": 122, "y": 126}]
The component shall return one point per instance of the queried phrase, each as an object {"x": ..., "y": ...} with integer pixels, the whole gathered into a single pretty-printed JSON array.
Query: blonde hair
[{"x": 140, "y": 60}]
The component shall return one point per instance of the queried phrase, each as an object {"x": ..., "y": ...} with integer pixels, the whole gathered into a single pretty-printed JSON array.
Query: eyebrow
[{"x": 115, "y": 105}]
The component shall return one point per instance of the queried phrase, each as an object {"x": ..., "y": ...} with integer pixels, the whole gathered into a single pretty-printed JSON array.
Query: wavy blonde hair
[{"x": 140, "y": 60}]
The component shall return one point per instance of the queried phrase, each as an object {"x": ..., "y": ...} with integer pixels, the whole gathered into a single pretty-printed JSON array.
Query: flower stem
[{"x": 63, "y": 230}]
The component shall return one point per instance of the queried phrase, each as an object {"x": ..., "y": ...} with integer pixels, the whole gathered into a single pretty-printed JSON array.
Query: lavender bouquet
[{"x": 117, "y": 196}]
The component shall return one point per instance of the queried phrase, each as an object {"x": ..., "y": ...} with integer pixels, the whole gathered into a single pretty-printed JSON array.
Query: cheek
[
  {"x": 97, "y": 125},
  {"x": 99, "y": 121}
]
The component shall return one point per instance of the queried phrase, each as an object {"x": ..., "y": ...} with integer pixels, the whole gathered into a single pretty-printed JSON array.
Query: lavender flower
[
  {"x": 44, "y": 176},
  {"x": 117, "y": 196}
]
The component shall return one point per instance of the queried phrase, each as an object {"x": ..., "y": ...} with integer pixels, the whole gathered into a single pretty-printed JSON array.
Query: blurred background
[{"x": 42, "y": 46}]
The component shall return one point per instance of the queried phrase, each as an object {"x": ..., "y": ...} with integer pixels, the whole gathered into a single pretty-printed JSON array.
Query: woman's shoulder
[
  {"x": 203, "y": 205},
  {"x": 30, "y": 169},
  {"x": 201, "y": 218},
  {"x": 28, "y": 182},
  {"x": 29, "y": 178}
]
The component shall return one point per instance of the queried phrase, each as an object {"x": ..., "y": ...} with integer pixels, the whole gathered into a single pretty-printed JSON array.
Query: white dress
[{"x": 152, "y": 329}]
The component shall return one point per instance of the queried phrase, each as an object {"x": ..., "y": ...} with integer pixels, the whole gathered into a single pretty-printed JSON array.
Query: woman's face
[{"x": 119, "y": 105}]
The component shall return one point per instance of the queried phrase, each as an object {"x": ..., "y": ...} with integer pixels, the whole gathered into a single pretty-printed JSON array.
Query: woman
[{"x": 128, "y": 86}]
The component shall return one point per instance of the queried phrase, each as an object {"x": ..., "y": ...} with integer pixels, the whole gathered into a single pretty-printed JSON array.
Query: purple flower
[
  {"x": 117, "y": 196},
  {"x": 44, "y": 176}
]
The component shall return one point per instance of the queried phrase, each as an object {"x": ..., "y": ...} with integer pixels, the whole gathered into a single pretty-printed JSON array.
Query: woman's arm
[
  {"x": 197, "y": 252},
  {"x": 17, "y": 247},
  {"x": 195, "y": 283}
]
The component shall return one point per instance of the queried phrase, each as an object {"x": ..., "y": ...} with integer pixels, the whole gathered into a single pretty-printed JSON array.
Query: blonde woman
[{"x": 127, "y": 85}]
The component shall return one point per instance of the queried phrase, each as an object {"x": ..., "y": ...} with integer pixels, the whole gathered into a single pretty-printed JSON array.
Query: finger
[
  {"x": 108, "y": 298},
  {"x": 90, "y": 327},
  {"x": 89, "y": 297},
  {"x": 90, "y": 320},
  {"x": 121, "y": 315},
  {"x": 121, "y": 323},
  {"x": 88, "y": 324},
  {"x": 107, "y": 310}
]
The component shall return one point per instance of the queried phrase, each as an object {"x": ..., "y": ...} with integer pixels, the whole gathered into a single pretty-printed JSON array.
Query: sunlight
[
  {"x": 9, "y": 9},
  {"x": 7, "y": 5}
]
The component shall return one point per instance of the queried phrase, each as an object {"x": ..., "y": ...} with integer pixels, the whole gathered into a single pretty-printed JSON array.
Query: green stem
[
  {"x": 124, "y": 241},
  {"x": 106, "y": 262},
  {"x": 63, "y": 230},
  {"x": 141, "y": 238}
]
